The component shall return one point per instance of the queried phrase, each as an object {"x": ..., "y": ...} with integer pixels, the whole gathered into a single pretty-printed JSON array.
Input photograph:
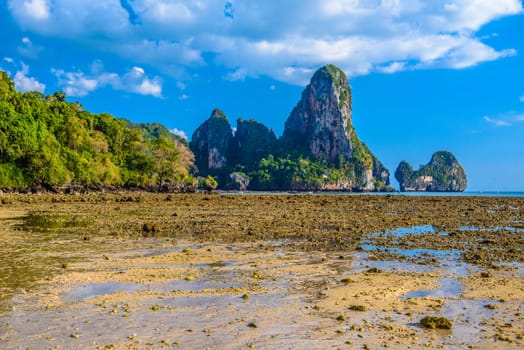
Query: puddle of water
[
  {"x": 411, "y": 253},
  {"x": 492, "y": 229},
  {"x": 217, "y": 264},
  {"x": 197, "y": 285},
  {"x": 91, "y": 290},
  {"x": 449, "y": 287},
  {"x": 405, "y": 231}
]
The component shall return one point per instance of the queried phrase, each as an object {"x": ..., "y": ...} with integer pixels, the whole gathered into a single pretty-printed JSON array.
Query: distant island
[
  {"x": 49, "y": 144},
  {"x": 443, "y": 173}
]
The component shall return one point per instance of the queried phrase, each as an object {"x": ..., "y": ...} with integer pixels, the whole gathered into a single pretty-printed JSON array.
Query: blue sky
[{"x": 426, "y": 75}]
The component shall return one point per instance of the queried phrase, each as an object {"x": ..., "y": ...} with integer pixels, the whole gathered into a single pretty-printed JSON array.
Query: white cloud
[
  {"x": 520, "y": 118},
  {"x": 37, "y": 9},
  {"x": 75, "y": 83},
  {"x": 496, "y": 122},
  {"x": 393, "y": 67},
  {"x": 25, "y": 83},
  {"x": 179, "y": 132},
  {"x": 237, "y": 74},
  {"x": 262, "y": 38},
  {"x": 80, "y": 84},
  {"x": 8, "y": 59},
  {"x": 149, "y": 87},
  {"x": 183, "y": 97},
  {"x": 521, "y": 98}
]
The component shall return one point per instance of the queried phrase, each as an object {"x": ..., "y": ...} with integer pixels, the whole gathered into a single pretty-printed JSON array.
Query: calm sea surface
[{"x": 410, "y": 194}]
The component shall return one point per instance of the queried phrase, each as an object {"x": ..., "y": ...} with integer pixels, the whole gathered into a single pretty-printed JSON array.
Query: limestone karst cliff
[
  {"x": 321, "y": 126},
  {"x": 319, "y": 149},
  {"x": 443, "y": 173},
  {"x": 253, "y": 141},
  {"x": 321, "y": 122},
  {"x": 212, "y": 144}
]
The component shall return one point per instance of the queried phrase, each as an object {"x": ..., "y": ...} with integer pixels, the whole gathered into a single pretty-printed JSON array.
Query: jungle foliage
[{"x": 49, "y": 142}]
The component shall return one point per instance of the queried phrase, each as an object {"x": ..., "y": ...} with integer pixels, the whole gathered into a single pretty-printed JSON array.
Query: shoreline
[{"x": 141, "y": 270}]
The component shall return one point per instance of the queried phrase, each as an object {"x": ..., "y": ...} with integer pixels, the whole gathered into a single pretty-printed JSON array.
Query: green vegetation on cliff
[
  {"x": 443, "y": 173},
  {"x": 319, "y": 149},
  {"x": 49, "y": 142}
]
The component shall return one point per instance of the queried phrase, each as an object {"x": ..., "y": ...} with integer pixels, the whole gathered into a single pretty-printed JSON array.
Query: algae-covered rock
[{"x": 433, "y": 322}]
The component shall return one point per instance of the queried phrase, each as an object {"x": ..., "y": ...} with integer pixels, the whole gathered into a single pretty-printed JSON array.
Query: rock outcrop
[
  {"x": 238, "y": 182},
  {"x": 443, "y": 173},
  {"x": 253, "y": 141},
  {"x": 319, "y": 149},
  {"x": 212, "y": 144},
  {"x": 321, "y": 126},
  {"x": 321, "y": 122}
]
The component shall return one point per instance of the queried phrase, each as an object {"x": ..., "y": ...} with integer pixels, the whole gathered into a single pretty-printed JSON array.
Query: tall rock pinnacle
[
  {"x": 321, "y": 126},
  {"x": 211, "y": 143},
  {"x": 321, "y": 122}
]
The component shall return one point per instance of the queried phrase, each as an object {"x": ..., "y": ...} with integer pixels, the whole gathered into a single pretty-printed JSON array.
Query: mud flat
[{"x": 156, "y": 271}]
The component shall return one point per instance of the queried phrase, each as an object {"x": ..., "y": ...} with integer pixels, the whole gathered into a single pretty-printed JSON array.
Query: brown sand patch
[
  {"x": 508, "y": 287},
  {"x": 381, "y": 292}
]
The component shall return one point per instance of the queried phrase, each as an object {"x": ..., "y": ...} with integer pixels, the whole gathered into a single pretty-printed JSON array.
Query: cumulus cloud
[
  {"x": 80, "y": 84},
  {"x": 253, "y": 38},
  {"x": 496, "y": 122},
  {"x": 25, "y": 83},
  {"x": 75, "y": 83},
  {"x": 37, "y": 9},
  {"x": 8, "y": 59},
  {"x": 179, "y": 133}
]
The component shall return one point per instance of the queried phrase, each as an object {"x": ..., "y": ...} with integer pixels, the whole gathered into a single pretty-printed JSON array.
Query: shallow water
[
  {"x": 210, "y": 310},
  {"x": 90, "y": 290}
]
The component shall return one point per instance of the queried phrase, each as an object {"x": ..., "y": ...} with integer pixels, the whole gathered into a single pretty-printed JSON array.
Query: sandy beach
[{"x": 233, "y": 271}]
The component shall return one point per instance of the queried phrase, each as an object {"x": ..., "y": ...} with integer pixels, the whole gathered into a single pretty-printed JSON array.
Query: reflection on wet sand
[{"x": 230, "y": 272}]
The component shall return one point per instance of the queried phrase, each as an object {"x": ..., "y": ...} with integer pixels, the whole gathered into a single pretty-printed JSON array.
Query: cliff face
[
  {"x": 212, "y": 144},
  {"x": 443, "y": 173},
  {"x": 319, "y": 149},
  {"x": 320, "y": 124},
  {"x": 252, "y": 142}
]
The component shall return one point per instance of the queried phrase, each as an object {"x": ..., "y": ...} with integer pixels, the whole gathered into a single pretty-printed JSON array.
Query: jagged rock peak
[
  {"x": 443, "y": 173},
  {"x": 218, "y": 114},
  {"x": 211, "y": 143},
  {"x": 321, "y": 122},
  {"x": 253, "y": 141}
]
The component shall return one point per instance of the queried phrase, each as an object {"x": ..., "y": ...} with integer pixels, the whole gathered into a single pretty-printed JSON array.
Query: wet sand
[{"x": 144, "y": 271}]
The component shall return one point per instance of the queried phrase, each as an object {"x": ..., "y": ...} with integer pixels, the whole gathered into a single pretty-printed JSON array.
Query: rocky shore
[{"x": 142, "y": 270}]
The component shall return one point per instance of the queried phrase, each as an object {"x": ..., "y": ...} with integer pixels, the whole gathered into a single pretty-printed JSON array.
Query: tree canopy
[{"x": 49, "y": 142}]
